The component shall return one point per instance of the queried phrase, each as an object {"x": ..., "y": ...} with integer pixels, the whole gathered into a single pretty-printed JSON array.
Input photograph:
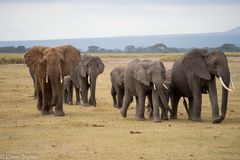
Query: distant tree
[
  {"x": 93, "y": 49},
  {"x": 230, "y": 47},
  {"x": 20, "y": 49},
  {"x": 130, "y": 48}
]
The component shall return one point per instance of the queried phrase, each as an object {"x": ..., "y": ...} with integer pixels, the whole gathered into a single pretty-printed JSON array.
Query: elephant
[
  {"x": 117, "y": 89},
  {"x": 68, "y": 91},
  {"x": 168, "y": 93},
  {"x": 141, "y": 79},
  {"x": 194, "y": 74},
  {"x": 32, "y": 74},
  {"x": 68, "y": 87},
  {"x": 49, "y": 66},
  {"x": 85, "y": 77}
]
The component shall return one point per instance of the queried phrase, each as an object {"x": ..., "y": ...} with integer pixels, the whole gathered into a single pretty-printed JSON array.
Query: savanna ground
[{"x": 101, "y": 133}]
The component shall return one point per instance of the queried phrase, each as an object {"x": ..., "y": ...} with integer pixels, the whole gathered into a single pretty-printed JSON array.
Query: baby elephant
[{"x": 117, "y": 90}]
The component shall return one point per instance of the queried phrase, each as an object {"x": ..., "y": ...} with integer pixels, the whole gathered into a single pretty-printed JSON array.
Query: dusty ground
[{"x": 101, "y": 133}]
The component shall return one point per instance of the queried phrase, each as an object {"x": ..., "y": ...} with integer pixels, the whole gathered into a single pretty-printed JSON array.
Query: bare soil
[{"x": 101, "y": 133}]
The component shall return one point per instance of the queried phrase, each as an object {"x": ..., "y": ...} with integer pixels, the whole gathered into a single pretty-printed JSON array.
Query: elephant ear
[
  {"x": 71, "y": 58},
  {"x": 141, "y": 75},
  {"x": 100, "y": 65},
  {"x": 194, "y": 62},
  {"x": 34, "y": 57}
]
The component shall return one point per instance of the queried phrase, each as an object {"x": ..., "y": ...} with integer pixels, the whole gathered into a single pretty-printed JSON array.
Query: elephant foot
[
  {"x": 59, "y": 113},
  {"x": 140, "y": 118},
  {"x": 124, "y": 114},
  {"x": 157, "y": 119},
  {"x": 173, "y": 117},
  {"x": 46, "y": 112},
  {"x": 70, "y": 103},
  {"x": 197, "y": 119},
  {"x": 150, "y": 117},
  {"x": 217, "y": 119},
  {"x": 85, "y": 105},
  {"x": 78, "y": 103},
  {"x": 165, "y": 118},
  {"x": 92, "y": 103},
  {"x": 115, "y": 105}
]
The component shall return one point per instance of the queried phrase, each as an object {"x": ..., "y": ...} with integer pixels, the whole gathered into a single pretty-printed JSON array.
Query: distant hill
[{"x": 175, "y": 40}]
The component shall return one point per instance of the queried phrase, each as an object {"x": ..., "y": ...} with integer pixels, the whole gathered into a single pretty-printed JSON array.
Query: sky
[{"x": 65, "y": 19}]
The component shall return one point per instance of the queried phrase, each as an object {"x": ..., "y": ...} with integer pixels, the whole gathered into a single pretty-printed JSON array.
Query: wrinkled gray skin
[
  {"x": 167, "y": 93},
  {"x": 138, "y": 81},
  {"x": 194, "y": 74},
  {"x": 33, "y": 78},
  {"x": 68, "y": 89},
  {"x": 85, "y": 78},
  {"x": 117, "y": 89}
]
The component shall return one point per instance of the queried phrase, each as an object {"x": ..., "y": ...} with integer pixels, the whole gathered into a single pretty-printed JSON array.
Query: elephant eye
[{"x": 214, "y": 63}]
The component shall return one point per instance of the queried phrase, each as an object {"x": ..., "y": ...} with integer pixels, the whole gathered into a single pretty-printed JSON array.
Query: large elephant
[
  {"x": 50, "y": 65},
  {"x": 194, "y": 74},
  {"x": 141, "y": 79},
  {"x": 85, "y": 77},
  {"x": 117, "y": 89}
]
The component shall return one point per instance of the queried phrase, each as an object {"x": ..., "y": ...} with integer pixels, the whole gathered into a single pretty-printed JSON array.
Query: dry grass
[{"x": 101, "y": 133}]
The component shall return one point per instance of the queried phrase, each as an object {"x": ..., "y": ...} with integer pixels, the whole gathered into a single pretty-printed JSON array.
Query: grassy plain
[{"x": 101, "y": 133}]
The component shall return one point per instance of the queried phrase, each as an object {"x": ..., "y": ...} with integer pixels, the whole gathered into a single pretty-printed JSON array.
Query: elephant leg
[
  {"x": 214, "y": 101},
  {"x": 59, "y": 103},
  {"x": 150, "y": 107},
  {"x": 174, "y": 100},
  {"x": 113, "y": 93},
  {"x": 119, "y": 98},
  {"x": 65, "y": 96},
  {"x": 47, "y": 98},
  {"x": 156, "y": 104},
  {"x": 39, "y": 100},
  {"x": 127, "y": 99},
  {"x": 78, "y": 100},
  {"x": 141, "y": 107},
  {"x": 84, "y": 91},
  {"x": 70, "y": 93},
  {"x": 137, "y": 107},
  {"x": 190, "y": 101},
  {"x": 92, "y": 98},
  {"x": 197, "y": 103}
]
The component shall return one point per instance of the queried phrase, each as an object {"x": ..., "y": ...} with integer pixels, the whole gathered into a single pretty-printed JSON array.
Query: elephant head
[
  {"x": 89, "y": 66},
  {"x": 152, "y": 73},
  {"x": 117, "y": 75},
  {"x": 208, "y": 64},
  {"x": 52, "y": 64}
]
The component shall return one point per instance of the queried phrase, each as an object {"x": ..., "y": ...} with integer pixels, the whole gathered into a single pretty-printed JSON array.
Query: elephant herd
[{"x": 56, "y": 71}]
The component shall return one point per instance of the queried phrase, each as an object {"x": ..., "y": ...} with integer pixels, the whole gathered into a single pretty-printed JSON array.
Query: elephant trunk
[
  {"x": 225, "y": 80},
  {"x": 160, "y": 91}
]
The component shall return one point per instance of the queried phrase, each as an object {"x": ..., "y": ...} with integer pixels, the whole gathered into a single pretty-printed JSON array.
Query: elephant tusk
[
  {"x": 89, "y": 79},
  {"x": 154, "y": 86},
  {"x": 165, "y": 86},
  {"x": 220, "y": 78},
  {"x": 46, "y": 78},
  {"x": 61, "y": 80},
  {"x": 232, "y": 84}
]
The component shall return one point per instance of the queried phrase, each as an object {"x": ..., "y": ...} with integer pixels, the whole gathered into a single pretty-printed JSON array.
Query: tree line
[{"x": 156, "y": 48}]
